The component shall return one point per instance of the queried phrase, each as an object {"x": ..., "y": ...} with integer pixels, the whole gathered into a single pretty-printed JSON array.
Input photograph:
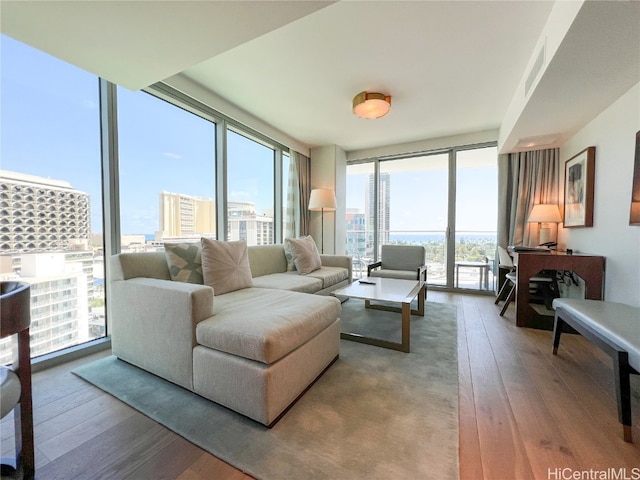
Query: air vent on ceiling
[
  {"x": 536, "y": 142},
  {"x": 535, "y": 70}
]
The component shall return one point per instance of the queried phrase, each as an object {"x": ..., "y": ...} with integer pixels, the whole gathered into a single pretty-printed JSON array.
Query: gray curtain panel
[
  {"x": 524, "y": 180},
  {"x": 303, "y": 165}
]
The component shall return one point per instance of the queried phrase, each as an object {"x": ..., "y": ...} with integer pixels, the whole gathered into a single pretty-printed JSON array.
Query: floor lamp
[{"x": 322, "y": 199}]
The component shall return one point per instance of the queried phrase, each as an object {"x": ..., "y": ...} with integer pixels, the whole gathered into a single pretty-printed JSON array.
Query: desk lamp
[{"x": 543, "y": 214}]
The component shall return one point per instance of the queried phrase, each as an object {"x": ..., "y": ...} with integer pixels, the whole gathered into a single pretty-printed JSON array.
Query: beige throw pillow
[
  {"x": 225, "y": 265},
  {"x": 305, "y": 254},
  {"x": 184, "y": 262}
]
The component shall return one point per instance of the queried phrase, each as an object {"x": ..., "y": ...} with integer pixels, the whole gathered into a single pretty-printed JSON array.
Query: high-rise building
[
  {"x": 41, "y": 215},
  {"x": 185, "y": 216},
  {"x": 384, "y": 214},
  {"x": 44, "y": 241}
]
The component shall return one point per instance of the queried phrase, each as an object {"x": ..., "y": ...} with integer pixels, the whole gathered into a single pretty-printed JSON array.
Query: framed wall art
[
  {"x": 634, "y": 216},
  {"x": 579, "y": 176}
]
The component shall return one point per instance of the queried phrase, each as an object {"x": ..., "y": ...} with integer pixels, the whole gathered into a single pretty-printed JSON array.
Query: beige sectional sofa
[{"x": 254, "y": 350}]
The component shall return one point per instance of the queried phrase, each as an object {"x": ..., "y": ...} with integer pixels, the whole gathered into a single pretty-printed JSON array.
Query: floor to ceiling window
[
  {"x": 51, "y": 196},
  {"x": 445, "y": 200},
  {"x": 167, "y": 173},
  {"x": 476, "y": 217},
  {"x": 250, "y": 190}
]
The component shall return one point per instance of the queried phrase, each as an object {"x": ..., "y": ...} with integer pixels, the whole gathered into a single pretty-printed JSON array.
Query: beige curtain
[
  {"x": 524, "y": 180},
  {"x": 303, "y": 166}
]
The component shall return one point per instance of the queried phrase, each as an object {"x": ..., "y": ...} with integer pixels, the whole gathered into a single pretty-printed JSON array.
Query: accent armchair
[{"x": 405, "y": 262}]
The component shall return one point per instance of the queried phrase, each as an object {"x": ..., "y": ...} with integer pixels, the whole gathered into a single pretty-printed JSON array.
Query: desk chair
[
  {"x": 406, "y": 262},
  {"x": 15, "y": 384},
  {"x": 545, "y": 284}
]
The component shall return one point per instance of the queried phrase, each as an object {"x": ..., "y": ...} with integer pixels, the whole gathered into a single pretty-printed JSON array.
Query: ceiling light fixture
[{"x": 371, "y": 105}]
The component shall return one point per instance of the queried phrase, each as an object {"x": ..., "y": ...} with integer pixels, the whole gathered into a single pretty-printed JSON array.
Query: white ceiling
[{"x": 451, "y": 67}]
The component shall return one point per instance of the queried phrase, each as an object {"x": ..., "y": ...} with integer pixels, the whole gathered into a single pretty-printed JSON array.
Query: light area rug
[{"x": 375, "y": 414}]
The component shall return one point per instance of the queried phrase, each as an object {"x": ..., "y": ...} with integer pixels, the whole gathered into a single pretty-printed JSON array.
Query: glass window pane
[
  {"x": 413, "y": 207},
  {"x": 167, "y": 172},
  {"x": 51, "y": 205},
  {"x": 250, "y": 187},
  {"x": 360, "y": 215},
  {"x": 476, "y": 217}
]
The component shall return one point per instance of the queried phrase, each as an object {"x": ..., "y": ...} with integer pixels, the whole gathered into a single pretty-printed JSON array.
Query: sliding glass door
[
  {"x": 444, "y": 200},
  {"x": 412, "y": 207}
]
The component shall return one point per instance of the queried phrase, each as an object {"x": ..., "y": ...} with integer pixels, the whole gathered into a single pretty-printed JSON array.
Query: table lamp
[{"x": 543, "y": 214}]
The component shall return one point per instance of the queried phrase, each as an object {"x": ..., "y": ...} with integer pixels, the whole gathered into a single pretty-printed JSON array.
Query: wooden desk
[{"x": 589, "y": 267}]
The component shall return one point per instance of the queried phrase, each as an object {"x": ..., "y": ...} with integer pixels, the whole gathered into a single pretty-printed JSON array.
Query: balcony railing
[{"x": 470, "y": 247}]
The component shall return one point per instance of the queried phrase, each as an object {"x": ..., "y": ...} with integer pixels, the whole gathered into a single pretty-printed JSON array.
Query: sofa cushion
[
  {"x": 305, "y": 254},
  {"x": 265, "y": 325},
  {"x": 290, "y": 281},
  {"x": 267, "y": 259},
  {"x": 184, "y": 261},
  {"x": 225, "y": 265},
  {"x": 330, "y": 275}
]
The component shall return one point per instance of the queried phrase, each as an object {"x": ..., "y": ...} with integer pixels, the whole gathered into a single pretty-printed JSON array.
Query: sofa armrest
[
  {"x": 152, "y": 324},
  {"x": 343, "y": 261}
]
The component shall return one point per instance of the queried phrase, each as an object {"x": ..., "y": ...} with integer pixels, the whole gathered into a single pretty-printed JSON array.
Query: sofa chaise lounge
[{"x": 254, "y": 350}]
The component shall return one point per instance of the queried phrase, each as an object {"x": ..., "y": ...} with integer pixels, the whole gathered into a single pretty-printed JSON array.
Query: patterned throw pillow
[
  {"x": 184, "y": 261},
  {"x": 291, "y": 266},
  {"x": 225, "y": 265},
  {"x": 305, "y": 254}
]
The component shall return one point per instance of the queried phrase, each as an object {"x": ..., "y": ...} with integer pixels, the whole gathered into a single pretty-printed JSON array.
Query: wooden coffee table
[{"x": 386, "y": 290}]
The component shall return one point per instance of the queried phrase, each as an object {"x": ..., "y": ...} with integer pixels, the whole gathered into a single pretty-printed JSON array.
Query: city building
[
  {"x": 243, "y": 223},
  {"x": 383, "y": 208},
  {"x": 186, "y": 216},
  {"x": 59, "y": 303},
  {"x": 44, "y": 241},
  {"x": 40, "y": 215}
]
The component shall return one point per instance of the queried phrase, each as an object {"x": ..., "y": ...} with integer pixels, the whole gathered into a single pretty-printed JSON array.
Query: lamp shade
[
  {"x": 322, "y": 199},
  {"x": 371, "y": 105},
  {"x": 545, "y": 213}
]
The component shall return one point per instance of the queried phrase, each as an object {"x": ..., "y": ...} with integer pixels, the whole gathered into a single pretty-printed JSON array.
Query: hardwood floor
[{"x": 523, "y": 413}]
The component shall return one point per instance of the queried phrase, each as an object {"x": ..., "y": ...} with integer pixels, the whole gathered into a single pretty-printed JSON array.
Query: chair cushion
[
  {"x": 401, "y": 274},
  {"x": 305, "y": 254},
  {"x": 9, "y": 390},
  {"x": 225, "y": 265},
  {"x": 185, "y": 262}
]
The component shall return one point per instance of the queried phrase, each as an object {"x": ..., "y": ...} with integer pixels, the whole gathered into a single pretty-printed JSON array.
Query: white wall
[
  {"x": 328, "y": 170},
  {"x": 613, "y": 134}
]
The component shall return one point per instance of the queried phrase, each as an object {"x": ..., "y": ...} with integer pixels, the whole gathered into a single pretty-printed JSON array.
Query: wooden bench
[{"x": 613, "y": 327}]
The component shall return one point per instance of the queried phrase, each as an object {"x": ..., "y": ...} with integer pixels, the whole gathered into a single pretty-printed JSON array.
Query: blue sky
[{"x": 49, "y": 126}]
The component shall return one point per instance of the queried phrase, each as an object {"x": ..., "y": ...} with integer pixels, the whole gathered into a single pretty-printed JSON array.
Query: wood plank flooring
[{"x": 523, "y": 413}]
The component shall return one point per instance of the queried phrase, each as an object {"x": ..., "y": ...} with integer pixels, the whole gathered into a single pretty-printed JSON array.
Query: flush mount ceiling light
[{"x": 371, "y": 105}]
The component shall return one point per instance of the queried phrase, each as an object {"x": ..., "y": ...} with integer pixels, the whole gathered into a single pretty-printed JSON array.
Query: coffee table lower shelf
[{"x": 406, "y": 311}]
